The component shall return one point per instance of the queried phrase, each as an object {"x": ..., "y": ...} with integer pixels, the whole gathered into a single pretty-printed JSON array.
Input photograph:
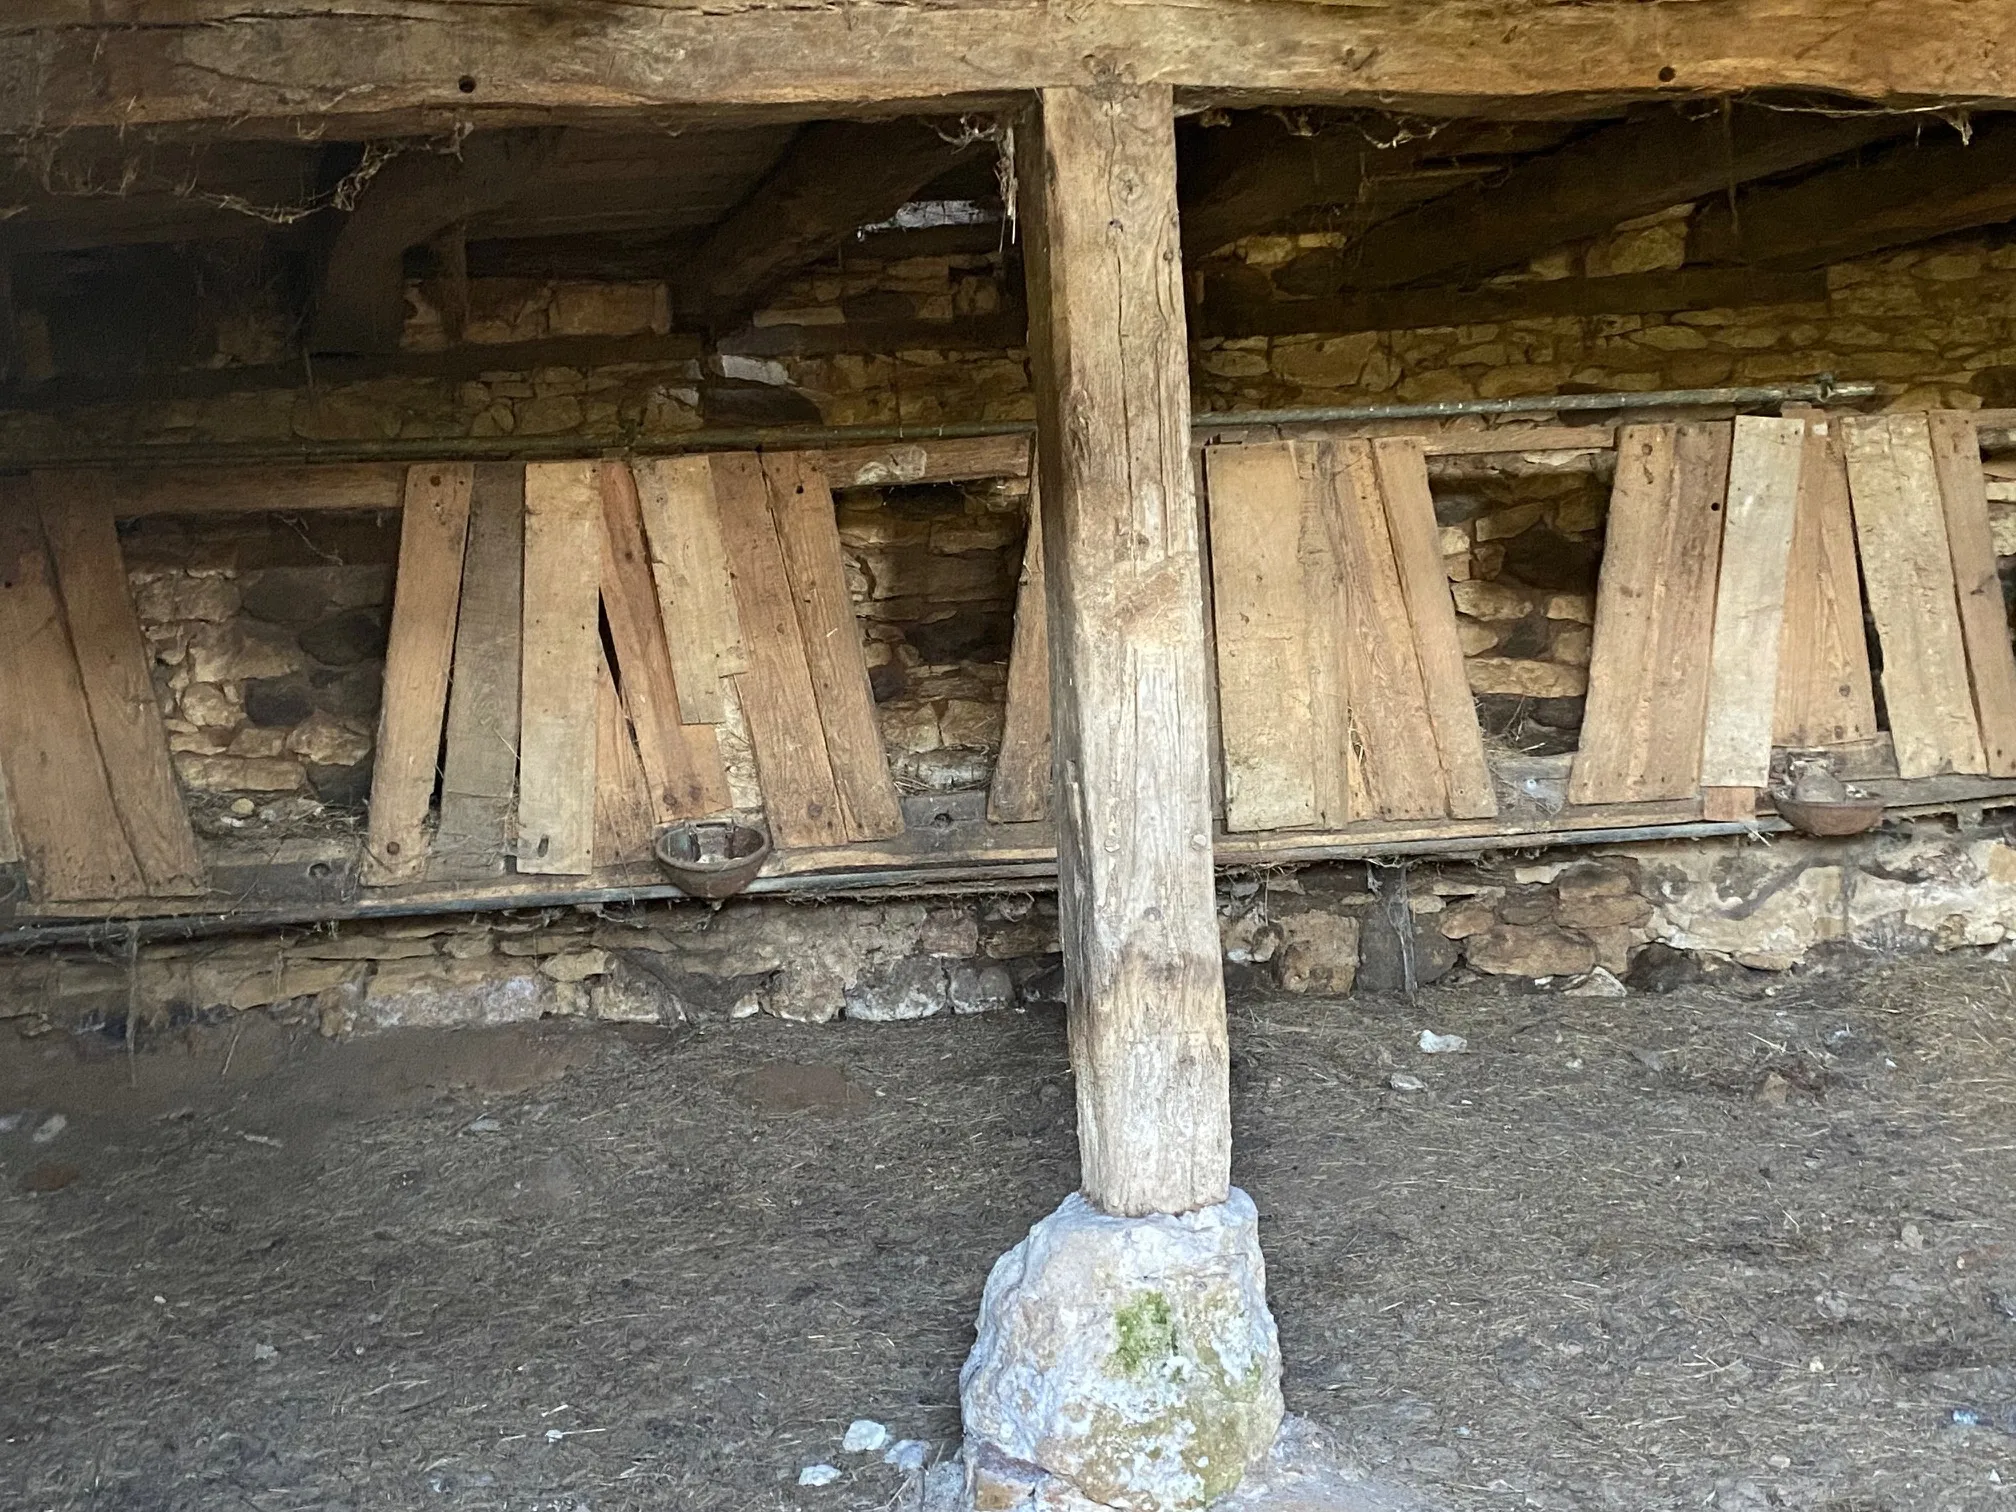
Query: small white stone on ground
[
  {"x": 864, "y": 1436},
  {"x": 1598, "y": 983},
  {"x": 908, "y": 1454},
  {"x": 818, "y": 1475},
  {"x": 484, "y": 1125},
  {"x": 49, "y": 1128},
  {"x": 1400, "y": 1081},
  {"x": 1442, "y": 1044}
]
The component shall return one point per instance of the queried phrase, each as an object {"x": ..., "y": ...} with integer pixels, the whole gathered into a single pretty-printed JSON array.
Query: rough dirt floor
[{"x": 1718, "y": 1248}]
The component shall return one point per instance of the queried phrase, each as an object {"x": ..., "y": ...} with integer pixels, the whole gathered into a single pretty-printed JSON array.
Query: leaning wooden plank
[
  {"x": 626, "y": 819},
  {"x": 809, "y": 535},
  {"x": 238, "y": 490},
  {"x": 689, "y": 565},
  {"x": 10, "y": 838},
  {"x": 479, "y": 774},
  {"x": 1825, "y": 694},
  {"x": 1020, "y": 791},
  {"x": 563, "y": 650},
  {"x": 1261, "y": 616},
  {"x": 64, "y": 817},
  {"x": 1655, "y": 604},
  {"x": 800, "y": 801},
  {"x": 1339, "y": 771},
  {"x": 1762, "y": 500},
  {"x": 1410, "y": 519},
  {"x": 1907, "y": 569},
  {"x": 425, "y": 596},
  {"x": 1389, "y": 704},
  {"x": 683, "y": 762},
  {"x": 114, "y": 663},
  {"x": 1984, "y": 622}
]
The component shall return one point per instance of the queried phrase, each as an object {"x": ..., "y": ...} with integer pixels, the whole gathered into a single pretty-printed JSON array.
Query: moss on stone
[{"x": 1147, "y": 1333}]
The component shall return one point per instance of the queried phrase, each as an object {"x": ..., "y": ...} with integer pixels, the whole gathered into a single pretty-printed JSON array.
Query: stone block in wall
[
  {"x": 1579, "y": 608},
  {"x": 1385, "y": 960},
  {"x": 238, "y": 650},
  {"x": 253, "y": 741},
  {"x": 1471, "y": 917},
  {"x": 323, "y": 741},
  {"x": 211, "y": 705},
  {"x": 1528, "y": 679},
  {"x": 1530, "y": 950},
  {"x": 1503, "y": 523},
  {"x": 445, "y": 994},
  {"x": 1574, "y": 647},
  {"x": 979, "y": 989},
  {"x": 168, "y": 594},
  {"x": 239, "y": 774},
  {"x": 969, "y": 724},
  {"x": 1318, "y": 953},
  {"x": 343, "y": 639},
  {"x": 1491, "y": 601},
  {"x": 911, "y": 989}
]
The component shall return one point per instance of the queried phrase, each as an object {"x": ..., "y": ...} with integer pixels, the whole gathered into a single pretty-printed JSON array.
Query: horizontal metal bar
[{"x": 794, "y": 437}]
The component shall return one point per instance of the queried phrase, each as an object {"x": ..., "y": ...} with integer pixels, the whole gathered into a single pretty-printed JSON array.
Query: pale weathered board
[
  {"x": 1452, "y": 711},
  {"x": 1262, "y": 612},
  {"x": 1984, "y": 621},
  {"x": 479, "y": 774},
  {"x": 10, "y": 839},
  {"x": 1825, "y": 693},
  {"x": 1907, "y": 570},
  {"x": 1761, "y": 502},
  {"x": 1389, "y": 704},
  {"x": 800, "y": 801},
  {"x": 1338, "y": 770},
  {"x": 426, "y": 595},
  {"x": 562, "y": 655},
  {"x": 696, "y": 598},
  {"x": 626, "y": 816},
  {"x": 1020, "y": 791},
  {"x": 115, "y": 666},
  {"x": 1655, "y": 605},
  {"x": 808, "y": 533},
  {"x": 64, "y": 818},
  {"x": 681, "y": 761}
]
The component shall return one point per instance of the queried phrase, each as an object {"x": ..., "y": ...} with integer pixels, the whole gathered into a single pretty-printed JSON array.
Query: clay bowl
[
  {"x": 1843, "y": 816},
  {"x": 712, "y": 858}
]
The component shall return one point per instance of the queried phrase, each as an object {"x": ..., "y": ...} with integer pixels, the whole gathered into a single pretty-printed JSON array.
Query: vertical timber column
[{"x": 1110, "y": 361}]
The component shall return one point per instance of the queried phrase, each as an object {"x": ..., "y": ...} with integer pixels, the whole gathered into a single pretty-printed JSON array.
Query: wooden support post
[{"x": 1128, "y": 686}]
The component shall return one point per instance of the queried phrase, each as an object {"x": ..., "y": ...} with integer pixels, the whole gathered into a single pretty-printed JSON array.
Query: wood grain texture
[
  {"x": 10, "y": 837},
  {"x": 479, "y": 774},
  {"x": 1452, "y": 711},
  {"x": 689, "y": 566},
  {"x": 236, "y": 490},
  {"x": 426, "y": 596},
  {"x": 1020, "y": 791},
  {"x": 1907, "y": 571},
  {"x": 800, "y": 801},
  {"x": 1825, "y": 692},
  {"x": 1984, "y": 621},
  {"x": 626, "y": 818},
  {"x": 1743, "y": 654},
  {"x": 115, "y": 666},
  {"x": 64, "y": 817},
  {"x": 682, "y": 762},
  {"x": 562, "y": 655},
  {"x": 1389, "y": 704},
  {"x": 1338, "y": 765},
  {"x": 1110, "y": 364},
  {"x": 1728, "y": 804},
  {"x": 265, "y": 67},
  {"x": 1655, "y": 604},
  {"x": 808, "y": 534},
  {"x": 1261, "y": 615}
]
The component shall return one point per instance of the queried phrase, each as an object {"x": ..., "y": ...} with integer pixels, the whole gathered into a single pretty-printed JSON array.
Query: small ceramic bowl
[{"x": 712, "y": 858}]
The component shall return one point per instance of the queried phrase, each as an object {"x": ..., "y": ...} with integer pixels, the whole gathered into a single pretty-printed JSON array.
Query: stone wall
[{"x": 1603, "y": 921}]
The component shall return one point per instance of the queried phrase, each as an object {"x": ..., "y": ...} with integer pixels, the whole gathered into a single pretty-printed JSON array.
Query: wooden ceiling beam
[
  {"x": 835, "y": 177},
  {"x": 266, "y": 66},
  {"x": 1932, "y": 186},
  {"x": 360, "y": 297},
  {"x": 1586, "y": 187}
]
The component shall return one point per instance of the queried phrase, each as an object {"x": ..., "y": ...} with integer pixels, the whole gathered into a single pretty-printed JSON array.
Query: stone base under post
[{"x": 1123, "y": 1363}]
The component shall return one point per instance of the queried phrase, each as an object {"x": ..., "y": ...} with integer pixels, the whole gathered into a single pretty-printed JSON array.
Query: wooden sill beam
[{"x": 262, "y": 67}]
